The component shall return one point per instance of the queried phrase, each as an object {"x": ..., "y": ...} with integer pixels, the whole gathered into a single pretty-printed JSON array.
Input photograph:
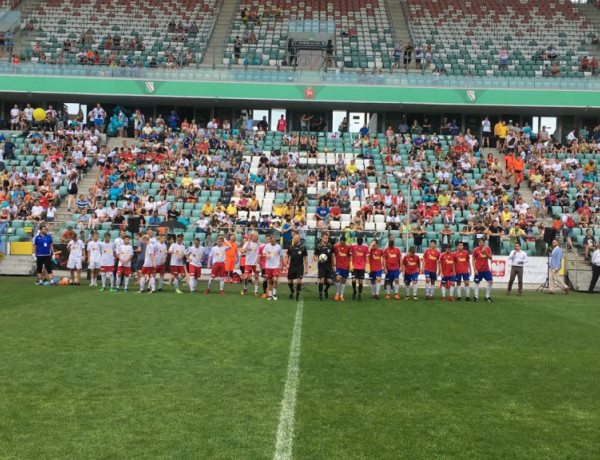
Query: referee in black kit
[
  {"x": 298, "y": 265},
  {"x": 325, "y": 267}
]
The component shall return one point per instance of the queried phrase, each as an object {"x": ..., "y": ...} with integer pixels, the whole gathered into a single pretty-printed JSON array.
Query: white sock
[
  {"x": 103, "y": 276},
  {"x": 119, "y": 279},
  {"x": 488, "y": 289},
  {"x": 451, "y": 290},
  {"x": 431, "y": 289},
  {"x": 176, "y": 282},
  {"x": 255, "y": 288},
  {"x": 407, "y": 288},
  {"x": 372, "y": 289},
  {"x": 192, "y": 283},
  {"x": 161, "y": 280},
  {"x": 274, "y": 292},
  {"x": 388, "y": 289},
  {"x": 142, "y": 283},
  {"x": 443, "y": 291},
  {"x": 415, "y": 289},
  {"x": 427, "y": 289},
  {"x": 476, "y": 288},
  {"x": 126, "y": 282},
  {"x": 458, "y": 290},
  {"x": 378, "y": 288},
  {"x": 343, "y": 289},
  {"x": 111, "y": 277},
  {"x": 222, "y": 284},
  {"x": 153, "y": 284},
  {"x": 210, "y": 282},
  {"x": 467, "y": 291},
  {"x": 396, "y": 288},
  {"x": 337, "y": 288}
]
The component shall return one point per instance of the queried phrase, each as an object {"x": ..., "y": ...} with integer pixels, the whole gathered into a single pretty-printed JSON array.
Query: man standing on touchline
[
  {"x": 555, "y": 266},
  {"x": 518, "y": 259}
]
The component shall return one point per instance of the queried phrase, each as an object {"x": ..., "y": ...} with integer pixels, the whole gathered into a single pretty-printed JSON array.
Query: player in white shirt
[
  {"x": 252, "y": 265},
  {"x": 195, "y": 255},
  {"x": 177, "y": 251},
  {"x": 148, "y": 266},
  {"x": 76, "y": 249},
  {"x": 125, "y": 254},
  {"x": 93, "y": 258},
  {"x": 119, "y": 240},
  {"x": 107, "y": 262},
  {"x": 273, "y": 261},
  {"x": 217, "y": 258},
  {"x": 160, "y": 257},
  {"x": 14, "y": 118}
]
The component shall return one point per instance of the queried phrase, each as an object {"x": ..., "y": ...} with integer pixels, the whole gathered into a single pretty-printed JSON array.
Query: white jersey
[
  {"x": 150, "y": 251},
  {"x": 177, "y": 253},
  {"x": 195, "y": 255},
  {"x": 107, "y": 258},
  {"x": 160, "y": 254},
  {"x": 75, "y": 249},
  {"x": 125, "y": 252},
  {"x": 273, "y": 255},
  {"x": 218, "y": 254},
  {"x": 252, "y": 253},
  {"x": 118, "y": 243},
  {"x": 93, "y": 248}
]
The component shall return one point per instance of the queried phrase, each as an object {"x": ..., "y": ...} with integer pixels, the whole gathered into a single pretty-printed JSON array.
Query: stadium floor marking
[{"x": 285, "y": 430}]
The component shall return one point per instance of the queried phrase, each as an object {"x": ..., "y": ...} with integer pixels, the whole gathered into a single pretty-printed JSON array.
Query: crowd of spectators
[{"x": 177, "y": 166}]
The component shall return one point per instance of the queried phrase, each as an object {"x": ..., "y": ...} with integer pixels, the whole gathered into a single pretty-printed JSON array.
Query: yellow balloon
[{"x": 39, "y": 114}]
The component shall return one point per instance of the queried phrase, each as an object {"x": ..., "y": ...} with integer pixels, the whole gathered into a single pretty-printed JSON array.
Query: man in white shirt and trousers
[
  {"x": 595, "y": 269},
  {"x": 555, "y": 266},
  {"x": 518, "y": 259}
]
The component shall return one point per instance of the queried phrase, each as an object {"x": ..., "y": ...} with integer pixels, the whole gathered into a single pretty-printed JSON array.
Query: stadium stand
[
  {"x": 364, "y": 34},
  {"x": 473, "y": 36},
  {"x": 214, "y": 178},
  {"x": 108, "y": 32}
]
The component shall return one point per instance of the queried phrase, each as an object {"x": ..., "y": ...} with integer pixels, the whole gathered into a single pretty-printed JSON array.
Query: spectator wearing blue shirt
[
  {"x": 173, "y": 120},
  {"x": 364, "y": 130},
  {"x": 322, "y": 215},
  {"x": 82, "y": 203},
  {"x": 555, "y": 266},
  {"x": 154, "y": 220},
  {"x": 287, "y": 233},
  {"x": 43, "y": 249}
]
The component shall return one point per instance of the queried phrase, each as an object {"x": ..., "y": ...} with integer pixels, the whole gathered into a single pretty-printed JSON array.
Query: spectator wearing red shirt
[
  {"x": 392, "y": 257},
  {"x": 343, "y": 254},
  {"x": 360, "y": 253},
  {"x": 448, "y": 272},
  {"x": 376, "y": 268},
  {"x": 482, "y": 258},
  {"x": 281, "y": 124},
  {"x": 411, "y": 266},
  {"x": 430, "y": 268},
  {"x": 462, "y": 259}
]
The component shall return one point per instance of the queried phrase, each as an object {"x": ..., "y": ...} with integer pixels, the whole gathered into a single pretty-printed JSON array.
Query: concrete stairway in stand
[
  {"x": 399, "y": 20},
  {"x": 215, "y": 51}
]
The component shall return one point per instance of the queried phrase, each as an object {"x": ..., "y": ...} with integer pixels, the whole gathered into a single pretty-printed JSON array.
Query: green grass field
[{"x": 85, "y": 374}]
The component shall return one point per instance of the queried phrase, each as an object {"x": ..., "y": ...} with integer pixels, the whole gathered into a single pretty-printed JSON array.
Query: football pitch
[{"x": 88, "y": 374}]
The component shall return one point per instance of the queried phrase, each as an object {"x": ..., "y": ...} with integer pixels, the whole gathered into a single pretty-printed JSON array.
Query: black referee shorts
[
  {"x": 325, "y": 271},
  {"x": 44, "y": 262},
  {"x": 359, "y": 274},
  {"x": 295, "y": 272}
]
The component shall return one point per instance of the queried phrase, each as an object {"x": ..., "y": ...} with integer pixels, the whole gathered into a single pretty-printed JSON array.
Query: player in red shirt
[
  {"x": 448, "y": 272},
  {"x": 376, "y": 268},
  {"x": 411, "y": 265},
  {"x": 392, "y": 258},
  {"x": 430, "y": 268},
  {"x": 462, "y": 258},
  {"x": 360, "y": 252},
  {"x": 482, "y": 258},
  {"x": 343, "y": 254}
]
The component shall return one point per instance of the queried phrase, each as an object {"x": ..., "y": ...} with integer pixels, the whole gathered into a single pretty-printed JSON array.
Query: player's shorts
[
  {"x": 94, "y": 265},
  {"x": 74, "y": 264},
  {"x": 375, "y": 274},
  {"x": 343, "y": 272},
  {"x": 448, "y": 279},
  {"x": 271, "y": 273},
  {"x": 462, "y": 277},
  {"x": 487, "y": 275},
  {"x": 123, "y": 271},
  {"x": 430, "y": 275},
  {"x": 148, "y": 271},
  {"x": 325, "y": 271},
  {"x": 410, "y": 278},
  {"x": 295, "y": 272},
  {"x": 229, "y": 265},
  {"x": 392, "y": 275},
  {"x": 177, "y": 270},
  {"x": 107, "y": 268},
  {"x": 359, "y": 273},
  {"x": 218, "y": 270},
  {"x": 160, "y": 269},
  {"x": 250, "y": 269},
  {"x": 195, "y": 272}
]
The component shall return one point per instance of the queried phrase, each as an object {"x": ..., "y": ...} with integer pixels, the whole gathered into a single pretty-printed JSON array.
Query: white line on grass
[{"x": 285, "y": 431}]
